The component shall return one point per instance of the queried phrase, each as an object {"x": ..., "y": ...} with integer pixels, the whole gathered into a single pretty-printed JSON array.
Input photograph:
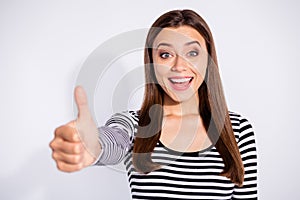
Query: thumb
[{"x": 82, "y": 103}]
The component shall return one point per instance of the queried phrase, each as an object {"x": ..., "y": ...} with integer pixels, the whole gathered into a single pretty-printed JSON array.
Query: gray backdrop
[{"x": 43, "y": 45}]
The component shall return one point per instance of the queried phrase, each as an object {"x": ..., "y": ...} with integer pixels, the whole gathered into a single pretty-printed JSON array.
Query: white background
[{"x": 43, "y": 44}]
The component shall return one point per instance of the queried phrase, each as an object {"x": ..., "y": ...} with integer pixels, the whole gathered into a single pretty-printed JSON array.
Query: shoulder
[
  {"x": 134, "y": 115},
  {"x": 245, "y": 138},
  {"x": 242, "y": 128}
]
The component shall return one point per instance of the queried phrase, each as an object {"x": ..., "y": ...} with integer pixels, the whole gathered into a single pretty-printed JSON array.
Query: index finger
[{"x": 67, "y": 132}]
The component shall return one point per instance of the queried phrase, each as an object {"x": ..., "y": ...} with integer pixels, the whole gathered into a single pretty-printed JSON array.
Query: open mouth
[{"x": 181, "y": 83}]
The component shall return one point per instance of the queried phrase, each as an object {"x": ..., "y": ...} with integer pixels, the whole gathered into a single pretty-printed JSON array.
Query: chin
[{"x": 179, "y": 98}]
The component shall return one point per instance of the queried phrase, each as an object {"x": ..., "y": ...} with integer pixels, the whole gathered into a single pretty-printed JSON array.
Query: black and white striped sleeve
[
  {"x": 247, "y": 146},
  {"x": 115, "y": 138}
]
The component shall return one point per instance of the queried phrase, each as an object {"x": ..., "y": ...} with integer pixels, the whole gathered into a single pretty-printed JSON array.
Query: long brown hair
[{"x": 212, "y": 104}]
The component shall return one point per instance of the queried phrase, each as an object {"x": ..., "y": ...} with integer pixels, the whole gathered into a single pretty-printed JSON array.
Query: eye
[
  {"x": 165, "y": 55},
  {"x": 193, "y": 53}
]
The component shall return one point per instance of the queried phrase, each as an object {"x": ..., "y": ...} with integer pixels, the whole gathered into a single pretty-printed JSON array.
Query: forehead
[{"x": 178, "y": 36}]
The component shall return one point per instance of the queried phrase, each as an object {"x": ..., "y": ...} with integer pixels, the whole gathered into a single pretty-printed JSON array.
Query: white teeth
[{"x": 180, "y": 80}]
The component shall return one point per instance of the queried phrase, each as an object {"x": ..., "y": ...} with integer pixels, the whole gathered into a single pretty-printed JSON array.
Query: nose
[{"x": 179, "y": 64}]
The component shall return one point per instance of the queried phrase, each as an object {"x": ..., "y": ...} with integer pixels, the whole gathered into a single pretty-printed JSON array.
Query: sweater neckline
[{"x": 189, "y": 153}]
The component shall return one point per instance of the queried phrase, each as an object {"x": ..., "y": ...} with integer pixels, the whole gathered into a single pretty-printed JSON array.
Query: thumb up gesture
[{"x": 75, "y": 144}]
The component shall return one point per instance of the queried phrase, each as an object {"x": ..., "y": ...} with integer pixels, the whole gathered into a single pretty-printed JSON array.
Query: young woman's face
[{"x": 180, "y": 62}]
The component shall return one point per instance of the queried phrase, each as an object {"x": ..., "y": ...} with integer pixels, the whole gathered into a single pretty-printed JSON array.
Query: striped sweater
[{"x": 183, "y": 175}]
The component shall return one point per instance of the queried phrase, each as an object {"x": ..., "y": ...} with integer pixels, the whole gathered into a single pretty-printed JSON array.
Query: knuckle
[
  {"x": 56, "y": 131},
  {"x": 73, "y": 135},
  {"x": 74, "y": 149},
  {"x": 53, "y": 145},
  {"x": 78, "y": 167},
  {"x": 54, "y": 155},
  {"x": 60, "y": 166},
  {"x": 73, "y": 160},
  {"x": 77, "y": 148},
  {"x": 71, "y": 168},
  {"x": 77, "y": 159}
]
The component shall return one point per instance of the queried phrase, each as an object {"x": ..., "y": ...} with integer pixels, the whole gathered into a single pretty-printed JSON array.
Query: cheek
[
  {"x": 160, "y": 72},
  {"x": 200, "y": 66}
]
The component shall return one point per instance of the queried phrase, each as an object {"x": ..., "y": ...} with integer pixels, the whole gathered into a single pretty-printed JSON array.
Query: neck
[{"x": 187, "y": 107}]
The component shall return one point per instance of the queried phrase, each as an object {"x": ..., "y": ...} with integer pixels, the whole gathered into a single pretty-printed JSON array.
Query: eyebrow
[
  {"x": 192, "y": 42},
  {"x": 186, "y": 44}
]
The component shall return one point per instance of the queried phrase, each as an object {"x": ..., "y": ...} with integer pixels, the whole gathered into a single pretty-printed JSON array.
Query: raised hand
[{"x": 75, "y": 145}]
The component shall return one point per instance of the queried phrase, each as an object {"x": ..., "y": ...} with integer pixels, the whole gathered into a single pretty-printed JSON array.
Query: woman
[{"x": 183, "y": 143}]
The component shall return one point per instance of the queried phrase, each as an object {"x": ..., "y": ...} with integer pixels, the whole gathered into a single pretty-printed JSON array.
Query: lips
[{"x": 180, "y": 83}]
